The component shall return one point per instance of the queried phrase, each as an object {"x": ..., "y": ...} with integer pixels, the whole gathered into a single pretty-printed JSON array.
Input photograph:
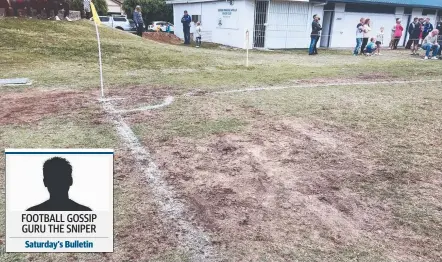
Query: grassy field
[{"x": 311, "y": 172}]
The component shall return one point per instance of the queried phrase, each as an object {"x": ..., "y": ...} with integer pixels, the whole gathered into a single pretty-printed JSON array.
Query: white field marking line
[
  {"x": 173, "y": 211},
  {"x": 7, "y": 85},
  {"x": 322, "y": 85},
  {"x": 167, "y": 101},
  {"x": 170, "y": 99},
  {"x": 111, "y": 99}
]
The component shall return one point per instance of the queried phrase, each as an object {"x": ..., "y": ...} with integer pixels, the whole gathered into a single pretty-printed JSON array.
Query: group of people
[
  {"x": 186, "y": 20},
  {"x": 39, "y": 6},
  {"x": 51, "y": 8},
  {"x": 366, "y": 45},
  {"x": 421, "y": 35}
]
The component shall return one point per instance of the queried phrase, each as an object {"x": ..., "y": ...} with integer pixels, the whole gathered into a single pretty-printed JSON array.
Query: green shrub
[{"x": 153, "y": 10}]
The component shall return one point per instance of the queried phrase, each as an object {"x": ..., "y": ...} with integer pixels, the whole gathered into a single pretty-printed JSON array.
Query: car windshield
[{"x": 104, "y": 19}]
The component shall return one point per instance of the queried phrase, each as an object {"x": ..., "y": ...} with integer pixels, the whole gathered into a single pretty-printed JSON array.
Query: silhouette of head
[{"x": 57, "y": 176}]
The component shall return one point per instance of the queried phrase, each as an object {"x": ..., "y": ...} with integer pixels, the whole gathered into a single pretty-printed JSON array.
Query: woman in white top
[{"x": 367, "y": 30}]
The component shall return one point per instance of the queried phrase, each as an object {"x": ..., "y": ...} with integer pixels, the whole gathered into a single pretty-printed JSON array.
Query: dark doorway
[
  {"x": 260, "y": 21},
  {"x": 327, "y": 25}
]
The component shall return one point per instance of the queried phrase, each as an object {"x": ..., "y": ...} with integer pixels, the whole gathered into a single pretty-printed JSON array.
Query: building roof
[{"x": 412, "y": 3}]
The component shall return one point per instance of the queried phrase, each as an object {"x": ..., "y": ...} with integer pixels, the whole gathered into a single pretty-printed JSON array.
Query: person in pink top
[{"x": 398, "y": 30}]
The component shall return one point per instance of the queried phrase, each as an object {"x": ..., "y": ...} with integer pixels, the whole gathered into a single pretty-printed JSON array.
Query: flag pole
[
  {"x": 97, "y": 22},
  {"x": 99, "y": 60},
  {"x": 247, "y": 47}
]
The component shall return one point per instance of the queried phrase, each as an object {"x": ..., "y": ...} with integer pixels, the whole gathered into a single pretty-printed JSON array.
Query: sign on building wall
[{"x": 228, "y": 18}]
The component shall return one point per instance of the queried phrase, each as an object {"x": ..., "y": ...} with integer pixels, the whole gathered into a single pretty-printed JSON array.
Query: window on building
[
  {"x": 408, "y": 11},
  {"x": 329, "y": 7},
  {"x": 379, "y": 9},
  {"x": 196, "y": 18},
  {"x": 119, "y": 19},
  {"x": 429, "y": 12}
]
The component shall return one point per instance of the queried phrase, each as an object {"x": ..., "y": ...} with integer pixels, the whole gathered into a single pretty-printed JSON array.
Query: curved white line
[{"x": 167, "y": 101}]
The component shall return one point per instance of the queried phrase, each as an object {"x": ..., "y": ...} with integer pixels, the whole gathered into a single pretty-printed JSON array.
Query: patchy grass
[
  {"x": 129, "y": 60},
  {"x": 370, "y": 153},
  {"x": 345, "y": 173}
]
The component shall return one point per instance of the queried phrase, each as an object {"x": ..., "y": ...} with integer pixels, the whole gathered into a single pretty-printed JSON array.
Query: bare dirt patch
[
  {"x": 288, "y": 183},
  {"x": 163, "y": 37},
  {"x": 139, "y": 232},
  {"x": 29, "y": 107}
]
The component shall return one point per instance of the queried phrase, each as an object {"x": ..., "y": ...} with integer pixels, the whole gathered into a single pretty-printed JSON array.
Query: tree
[
  {"x": 100, "y": 5},
  {"x": 152, "y": 10}
]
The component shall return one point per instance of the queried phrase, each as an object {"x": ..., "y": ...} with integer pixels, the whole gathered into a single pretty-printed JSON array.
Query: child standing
[
  {"x": 198, "y": 30},
  {"x": 371, "y": 47},
  {"x": 380, "y": 40}
]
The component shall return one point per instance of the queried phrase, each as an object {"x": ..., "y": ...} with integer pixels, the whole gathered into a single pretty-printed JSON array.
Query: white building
[
  {"x": 277, "y": 24},
  {"x": 115, "y": 7}
]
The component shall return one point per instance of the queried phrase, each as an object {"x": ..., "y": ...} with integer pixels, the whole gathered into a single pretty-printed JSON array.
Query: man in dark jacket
[
  {"x": 428, "y": 27},
  {"x": 414, "y": 30},
  {"x": 186, "y": 27},
  {"x": 314, "y": 36},
  {"x": 411, "y": 29}
]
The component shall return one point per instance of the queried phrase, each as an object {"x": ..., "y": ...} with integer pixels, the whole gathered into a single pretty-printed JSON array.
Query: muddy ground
[
  {"x": 139, "y": 232},
  {"x": 283, "y": 189}
]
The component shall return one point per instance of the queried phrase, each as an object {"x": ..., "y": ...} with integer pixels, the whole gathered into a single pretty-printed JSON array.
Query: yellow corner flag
[{"x": 94, "y": 14}]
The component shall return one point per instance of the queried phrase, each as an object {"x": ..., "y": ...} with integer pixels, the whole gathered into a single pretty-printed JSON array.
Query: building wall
[
  {"x": 113, "y": 7},
  {"x": 288, "y": 23},
  {"x": 232, "y": 30}
]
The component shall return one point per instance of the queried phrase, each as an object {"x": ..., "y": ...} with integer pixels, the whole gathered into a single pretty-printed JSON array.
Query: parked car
[
  {"x": 163, "y": 26},
  {"x": 118, "y": 22},
  {"x": 132, "y": 24}
]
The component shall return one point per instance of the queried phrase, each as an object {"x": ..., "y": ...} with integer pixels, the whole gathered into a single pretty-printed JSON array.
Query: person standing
[
  {"x": 398, "y": 30},
  {"x": 138, "y": 19},
  {"x": 379, "y": 40},
  {"x": 359, "y": 35},
  {"x": 366, "y": 35},
  {"x": 87, "y": 8},
  {"x": 414, "y": 30},
  {"x": 185, "y": 20},
  {"x": 430, "y": 43},
  {"x": 421, "y": 28},
  {"x": 428, "y": 27},
  {"x": 314, "y": 36},
  {"x": 315, "y": 51},
  {"x": 411, "y": 28},
  {"x": 439, "y": 37},
  {"x": 198, "y": 31}
]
